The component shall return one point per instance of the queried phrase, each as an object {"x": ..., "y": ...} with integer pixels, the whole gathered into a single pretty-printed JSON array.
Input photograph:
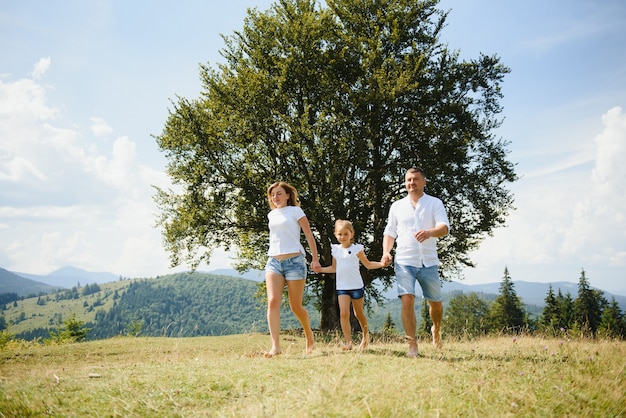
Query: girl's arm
[
  {"x": 330, "y": 269},
  {"x": 306, "y": 228},
  {"x": 370, "y": 265}
]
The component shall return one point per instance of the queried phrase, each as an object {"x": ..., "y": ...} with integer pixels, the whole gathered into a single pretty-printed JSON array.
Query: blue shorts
[
  {"x": 353, "y": 293},
  {"x": 428, "y": 278},
  {"x": 293, "y": 268}
]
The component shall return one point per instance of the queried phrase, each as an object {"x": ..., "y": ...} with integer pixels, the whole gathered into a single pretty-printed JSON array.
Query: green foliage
[
  {"x": 505, "y": 313},
  {"x": 134, "y": 327},
  {"x": 338, "y": 101},
  {"x": 5, "y": 337},
  {"x": 426, "y": 322},
  {"x": 186, "y": 305},
  {"x": 8, "y": 297},
  {"x": 613, "y": 322},
  {"x": 588, "y": 306},
  {"x": 389, "y": 327},
  {"x": 74, "y": 331},
  {"x": 466, "y": 315},
  {"x": 90, "y": 289}
]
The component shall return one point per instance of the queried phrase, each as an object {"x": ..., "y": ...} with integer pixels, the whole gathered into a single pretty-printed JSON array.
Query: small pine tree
[
  {"x": 506, "y": 314},
  {"x": 389, "y": 328},
  {"x": 612, "y": 322},
  {"x": 588, "y": 306},
  {"x": 550, "y": 320},
  {"x": 427, "y": 322},
  {"x": 74, "y": 331}
]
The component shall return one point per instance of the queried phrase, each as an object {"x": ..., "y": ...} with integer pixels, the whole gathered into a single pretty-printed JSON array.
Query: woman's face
[{"x": 279, "y": 197}]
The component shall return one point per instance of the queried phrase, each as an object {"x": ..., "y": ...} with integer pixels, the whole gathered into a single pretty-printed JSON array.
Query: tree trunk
[{"x": 329, "y": 309}]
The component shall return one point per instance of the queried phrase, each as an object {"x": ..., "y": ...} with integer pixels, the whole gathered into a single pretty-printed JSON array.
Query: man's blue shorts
[{"x": 428, "y": 278}]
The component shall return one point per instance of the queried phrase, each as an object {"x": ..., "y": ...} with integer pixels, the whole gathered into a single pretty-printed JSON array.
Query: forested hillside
[
  {"x": 181, "y": 305},
  {"x": 184, "y": 305},
  {"x": 200, "y": 304}
]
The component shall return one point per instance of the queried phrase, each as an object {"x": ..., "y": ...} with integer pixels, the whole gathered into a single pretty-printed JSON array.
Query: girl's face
[
  {"x": 279, "y": 197},
  {"x": 344, "y": 236}
]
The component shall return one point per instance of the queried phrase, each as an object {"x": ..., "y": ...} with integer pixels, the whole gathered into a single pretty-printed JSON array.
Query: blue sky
[{"x": 85, "y": 85}]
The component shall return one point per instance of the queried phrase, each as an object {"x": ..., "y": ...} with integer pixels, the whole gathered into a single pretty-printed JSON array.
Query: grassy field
[{"x": 229, "y": 377}]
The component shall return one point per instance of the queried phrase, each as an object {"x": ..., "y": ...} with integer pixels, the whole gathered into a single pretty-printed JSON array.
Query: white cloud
[
  {"x": 599, "y": 219},
  {"x": 17, "y": 168},
  {"x": 23, "y": 101},
  {"x": 99, "y": 127},
  {"x": 41, "y": 67},
  {"x": 568, "y": 219},
  {"x": 66, "y": 201}
]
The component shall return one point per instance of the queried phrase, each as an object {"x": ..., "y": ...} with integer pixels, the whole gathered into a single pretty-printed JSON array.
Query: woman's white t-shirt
[
  {"x": 348, "y": 276},
  {"x": 285, "y": 230}
]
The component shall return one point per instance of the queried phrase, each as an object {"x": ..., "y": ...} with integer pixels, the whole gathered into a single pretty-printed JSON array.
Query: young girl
[
  {"x": 350, "y": 287},
  {"x": 286, "y": 263}
]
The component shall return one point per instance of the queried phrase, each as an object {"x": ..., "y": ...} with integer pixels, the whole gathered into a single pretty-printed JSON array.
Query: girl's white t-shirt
[
  {"x": 285, "y": 230},
  {"x": 348, "y": 276}
]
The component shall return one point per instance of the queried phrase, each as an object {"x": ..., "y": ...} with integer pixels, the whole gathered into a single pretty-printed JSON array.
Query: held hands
[
  {"x": 386, "y": 259},
  {"x": 316, "y": 266}
]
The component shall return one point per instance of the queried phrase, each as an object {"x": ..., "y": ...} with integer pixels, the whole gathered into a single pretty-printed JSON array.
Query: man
[{"x": 414, "y": 223}]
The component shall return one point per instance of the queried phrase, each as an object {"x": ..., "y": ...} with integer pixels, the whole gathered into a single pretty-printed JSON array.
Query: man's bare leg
[{"x": 410, "y": 323}]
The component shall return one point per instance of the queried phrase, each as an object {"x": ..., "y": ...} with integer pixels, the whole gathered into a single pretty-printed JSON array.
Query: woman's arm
[{"x": 306, "y": 228}]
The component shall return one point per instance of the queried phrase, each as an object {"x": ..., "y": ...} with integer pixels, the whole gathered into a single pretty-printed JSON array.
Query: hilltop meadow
[{"x": 228, "y": 376}]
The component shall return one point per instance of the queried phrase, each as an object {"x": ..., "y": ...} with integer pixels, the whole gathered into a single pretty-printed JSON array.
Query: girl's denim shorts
[
  {"x": 293, "y": 268},
  {"x": 353, "y": 293}
]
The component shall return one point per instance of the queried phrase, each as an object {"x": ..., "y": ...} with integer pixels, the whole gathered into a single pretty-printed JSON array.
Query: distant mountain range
[
  {"x": 14, "y": 283},
  {"x": 531, "y": 293},
  {"x": 25, "y": 284}
]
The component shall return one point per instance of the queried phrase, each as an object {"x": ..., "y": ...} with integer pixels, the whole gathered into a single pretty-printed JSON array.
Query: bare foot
[
  {"x": 436, "y": 337},
  {"x": 347, "y": 347},
  {"x": 273, "y": 352},
  {"x": 413, "y": 350},
  {"x": 364, "y": 342}
]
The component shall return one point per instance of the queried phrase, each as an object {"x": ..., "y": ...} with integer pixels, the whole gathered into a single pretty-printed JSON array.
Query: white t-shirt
[
  {"x": 285, "y": 230},
  {"x": 404, "y": 221},
  {"x": 348, "y": 276}
]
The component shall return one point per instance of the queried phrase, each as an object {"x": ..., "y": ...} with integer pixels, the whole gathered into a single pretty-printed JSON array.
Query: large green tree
[{"x": 338, "y": 100}]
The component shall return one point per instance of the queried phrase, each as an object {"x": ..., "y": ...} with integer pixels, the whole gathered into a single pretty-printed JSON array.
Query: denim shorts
[
  {"x": 293, "y": 268},
  {"x": 428, "y": 278},
  {"x": 353, "y": 293}
]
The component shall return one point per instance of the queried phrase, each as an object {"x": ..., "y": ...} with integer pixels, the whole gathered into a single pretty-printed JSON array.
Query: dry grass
[{"x": 228, "y": 376}]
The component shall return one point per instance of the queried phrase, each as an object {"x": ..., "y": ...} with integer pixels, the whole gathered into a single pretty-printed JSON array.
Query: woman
[{"x": 286, "y": 263}]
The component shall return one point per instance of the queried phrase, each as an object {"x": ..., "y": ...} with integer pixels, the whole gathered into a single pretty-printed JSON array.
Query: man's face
[{"x": 414, "y": 182}]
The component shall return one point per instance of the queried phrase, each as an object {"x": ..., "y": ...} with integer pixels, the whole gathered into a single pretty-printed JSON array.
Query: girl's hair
[
  {"x": 343, "y": 224},
  {"x": 289, "y": 189}
]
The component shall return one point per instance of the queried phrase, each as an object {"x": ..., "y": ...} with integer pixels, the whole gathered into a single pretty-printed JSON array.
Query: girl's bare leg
[
  {"x": 344, "y": 320},
  {"x": 359, "y": 312}
]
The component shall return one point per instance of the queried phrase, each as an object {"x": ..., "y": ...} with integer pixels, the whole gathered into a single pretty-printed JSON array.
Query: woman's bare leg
[
  {"x": 295, "y": 289},
  {"x": 275, "y": 283}
]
